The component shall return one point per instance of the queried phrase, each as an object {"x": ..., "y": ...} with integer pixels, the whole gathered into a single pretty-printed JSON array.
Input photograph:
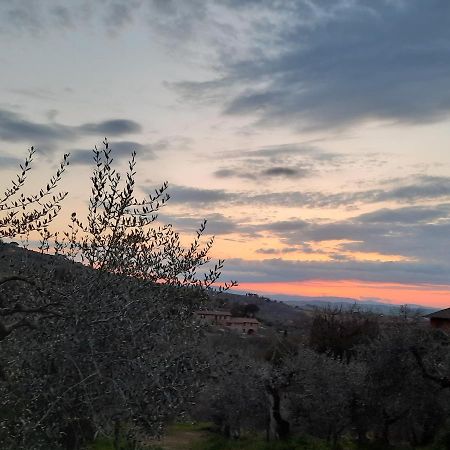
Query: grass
[
  {"x": 198, "y": 436},
  {"x": 257, "y": 443}
]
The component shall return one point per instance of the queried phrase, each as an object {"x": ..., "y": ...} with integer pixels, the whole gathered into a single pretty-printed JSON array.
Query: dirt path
[{"x": 180, "y": 439}]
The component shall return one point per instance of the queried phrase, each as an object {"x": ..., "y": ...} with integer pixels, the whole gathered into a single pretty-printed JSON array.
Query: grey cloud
[
  {"x": 36, "y": 93},
  {"x": 239, "y": 172},
  {"x": 15, "y": 128},
  {"x": 417, "y": 233},
  {"x": 119, "y": 150},
  {"x": 119, "y": 14},
  {"x": 268, "y": 251},
  {"x": 166, "y": 18},
  {"x": 201, "y": 92},
  {"x": 279, "y": 251},
  {"x": 425, "y": 187},
  {"x": 225, "y": 173},
  {"x": 294, "y": 149},
  {"x": 335, "y": 63},
  {"x": 407, "y": 215},
  {"x": 422, "y": 190},
  {"x": 275, "y": 270},
  {"x": 320, "y": 63},
  {"x": 282, "y": 172},
  {"x": 295, "y": 160},
  {"x": 325, "y": 64},
  {"x": 260, "y": 175},
  {"x": 288, "y": 225},
  {"x": 62, "y": 16},
  {"x": 194, "y": 196},
  {"x": 217, "y": 224},
  {"x": 7, "y": 161},
  {"x": 22, "y": 16},
  {"x": 115, "y": 127}
]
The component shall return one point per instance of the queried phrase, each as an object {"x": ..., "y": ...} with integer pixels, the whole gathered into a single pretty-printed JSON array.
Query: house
[
  {"x": 213, "y": 317},
  {"x": 247, "y": 325},
  {"x": 440, "y": 319}
]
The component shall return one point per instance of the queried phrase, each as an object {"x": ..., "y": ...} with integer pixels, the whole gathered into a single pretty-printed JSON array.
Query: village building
[
  {"x": 213, "y": 317},
  {"x": 440, "y": 319},
  {"x": 246, "y": 325}
]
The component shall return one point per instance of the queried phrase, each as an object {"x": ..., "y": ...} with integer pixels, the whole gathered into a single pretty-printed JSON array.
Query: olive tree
[
  {"x": 120, "y": 234},
  {"x": 121, "y": 354},
  {"x": 20, "y": 215}
]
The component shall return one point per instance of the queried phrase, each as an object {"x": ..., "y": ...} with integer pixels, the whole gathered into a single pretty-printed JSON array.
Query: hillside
[{"x": 271, "y": 312}]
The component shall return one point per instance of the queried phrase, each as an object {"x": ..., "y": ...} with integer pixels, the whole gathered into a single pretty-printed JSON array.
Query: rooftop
[
  {"x": 214, "y": 313},
  {"x": 442, "y": 314}
]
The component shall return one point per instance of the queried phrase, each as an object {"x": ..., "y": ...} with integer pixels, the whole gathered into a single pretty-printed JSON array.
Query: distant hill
[
  {"x": 271, "y": 312},
  {"x": 307, "y": 304}
]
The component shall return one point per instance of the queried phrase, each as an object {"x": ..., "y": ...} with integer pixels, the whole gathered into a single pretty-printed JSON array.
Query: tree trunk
[
  {"x": 117, "y": 435},
  {"x": 279, "y": 428}
]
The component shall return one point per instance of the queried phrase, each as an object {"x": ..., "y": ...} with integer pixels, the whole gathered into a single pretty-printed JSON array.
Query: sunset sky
[{"x": 314, "y": 135}]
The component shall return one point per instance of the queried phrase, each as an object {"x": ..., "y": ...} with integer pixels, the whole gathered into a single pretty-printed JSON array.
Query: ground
[
  {"x": 183, "y": 436},
  {"x": 198, "y": 436}
]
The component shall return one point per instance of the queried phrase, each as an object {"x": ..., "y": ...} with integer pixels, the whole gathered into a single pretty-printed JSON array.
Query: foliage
[
  {"x": 234, "y": 398},
  {"x": 337, "y": 331},
  {"x": 119, "y": 235},
  {"x": 119, "y": 350},
  {"x": 244, "y": 310},
  {"x": 20, "y": 214}
]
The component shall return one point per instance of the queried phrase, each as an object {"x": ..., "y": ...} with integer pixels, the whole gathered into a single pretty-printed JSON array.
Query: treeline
[{"x": 357, "y": 377}]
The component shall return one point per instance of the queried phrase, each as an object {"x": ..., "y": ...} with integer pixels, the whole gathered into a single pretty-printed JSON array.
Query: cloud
[
  {"x": 332, "y": 64},
  {"x": 419, "y": 235},
  {"x": 195, "y": 196},
  {"x": 424, "y": 189},
  {"x": 293, "y": 161},
  {"x": 406, "y": 215},
  {"x": 119, "y": 150},
  {"x": 169, "y": 18},
  {"x": 279, "y": 251},
  {"x": 7, "y": 161},
  {"x": 413, "y": 233},
  {"x": 282, "y": 172},
  {"x": 310, "y": 64},
  {"x": 402, "y": 191},
  {"x": 16, "y": 128},
  {"x": 276, "y": 270},
  {"x": 217, "y": 224},
  {"x": 115, "y": 127},
  {"x": 264, "y": 174}
]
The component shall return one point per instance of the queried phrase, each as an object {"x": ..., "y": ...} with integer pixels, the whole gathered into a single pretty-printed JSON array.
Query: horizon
[{"x": 313, "y": 138}]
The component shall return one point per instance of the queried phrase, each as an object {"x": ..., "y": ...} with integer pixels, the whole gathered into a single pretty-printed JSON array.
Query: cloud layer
[{"x": 334, "y": 63}]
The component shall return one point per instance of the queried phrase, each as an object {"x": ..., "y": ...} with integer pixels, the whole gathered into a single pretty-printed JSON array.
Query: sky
[{"x": 313, "y": 135}]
